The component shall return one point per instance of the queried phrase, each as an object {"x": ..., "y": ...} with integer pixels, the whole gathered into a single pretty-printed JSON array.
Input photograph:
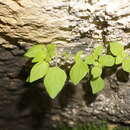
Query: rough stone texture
[
  {"x": 68, "y": 23},
  {"x": 73, "y": 25}
]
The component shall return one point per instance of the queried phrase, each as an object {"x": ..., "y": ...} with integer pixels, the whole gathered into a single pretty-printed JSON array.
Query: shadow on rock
[
  {"x": 34, "y": 103},
  {"x": 108, "y": 71},
  {"x": 89, "y": 97},
  {"x": 122, "y": 76},
  {"x": 66, "y": 95}
]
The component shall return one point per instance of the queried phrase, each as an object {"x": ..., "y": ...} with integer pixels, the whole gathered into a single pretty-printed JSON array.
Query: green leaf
[
  {"x": 96, "y": 63},
  {"x": 124, "y": 54},
  {"x": 119, "y": 60},
  {"x": 126, "y": 64},
  {"x": 48, "y": 58},
  {"x": 96, "y": 72},
  {"x": 36, "y": 51},
  {"x": 38, "y": 71},
  {"x": 107, "y": 60},
  {"x": 37, "y": 59},
  {"x": 78, "y": 71},
  {"x": 97, "y": 85},
  {"x": 54, "y": 81},
  {"x": 98, "y": 50},
  {"x": 121, "y": 57},
  {"x": 78, "y": 56},
  {"x": 89, "y": 60},
  {"x": 95, "y": 57},
  {"x": 116, "y": 48},
  {"x": 51, "y": 49}
]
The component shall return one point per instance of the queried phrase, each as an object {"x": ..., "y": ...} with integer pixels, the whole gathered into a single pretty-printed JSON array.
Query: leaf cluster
[
  {"x": 53, "y": 77},
  {"x": 90, "y": 66}
]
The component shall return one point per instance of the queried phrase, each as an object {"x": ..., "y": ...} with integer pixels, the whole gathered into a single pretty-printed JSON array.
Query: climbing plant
[{"x": 90, "y": 66}]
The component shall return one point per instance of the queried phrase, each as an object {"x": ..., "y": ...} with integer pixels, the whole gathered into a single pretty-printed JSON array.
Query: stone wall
[{"x": 72, "y": 25}]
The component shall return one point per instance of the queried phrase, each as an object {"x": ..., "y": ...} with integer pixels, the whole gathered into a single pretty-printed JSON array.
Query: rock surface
[{"x": 72, "y": 25}]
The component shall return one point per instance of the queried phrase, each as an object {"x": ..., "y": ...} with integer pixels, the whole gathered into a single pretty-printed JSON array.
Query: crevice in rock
[{"x": 14, "y": 40}]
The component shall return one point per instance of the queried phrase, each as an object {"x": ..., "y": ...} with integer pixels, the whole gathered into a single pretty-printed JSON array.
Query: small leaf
[
  {"x": 78, "y": 71},
  {"x": 78, "y": 56},
  {"x": 38, "y": 71},
  {"x": 116, "y": 48},
  {"x": 51, "y": 49},
  {"x": 119, "y": 60},
  {"x": 107, "y": 60},
  {"x": 121, "y": 57},
  {"x": 36, "y": 51},
  {"x": 96, "y": 72},
  {"x": 98, "y": 50},
  {"x": 89, "y": 60},
  {"x": 126, "y": 64},
  {"x": 97, "y": 85},
  {"x": 54, "y": 81}
]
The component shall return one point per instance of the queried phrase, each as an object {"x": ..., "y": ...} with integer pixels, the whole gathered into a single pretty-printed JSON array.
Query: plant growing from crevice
[
  {"x": 90, "y": 66},
  {"x": 53, "y": 77}
]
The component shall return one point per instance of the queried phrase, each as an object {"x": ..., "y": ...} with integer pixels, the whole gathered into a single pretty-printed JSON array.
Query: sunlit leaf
[
  {"x": 51, "y": 48},
  {"x": 37, "y": 51},
  {"x": 97, "y": 85},
  {"x": 126, "y": 64},
  {"x": 78, "y": 71},
  {"x": 96, "y": 72},
  {"x": 107, "y": 60},
  {"x": 119, "y": 60},
  {"x": 95, "y": 57},
  {"x": 98, "y": 50},
  {"x": 89, "y": 60},
  {"x": 116, "y": 48},
  {"x": 38, "y": 71},
  {"x": 54, "y": 81},
  {"x": 37, "y": 59},
  {"x": 78, "y": 56},
  {"x": 124, "y": 54},
  {"x": 48, "y": 58},
  {"x": 121, "y": 57}
]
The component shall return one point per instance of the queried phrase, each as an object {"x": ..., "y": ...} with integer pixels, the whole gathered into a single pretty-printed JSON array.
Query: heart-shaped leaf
[
  {"x": 98, "y": 50},
  {"x": 97, "y": 85},
  {"x": 96, "y": 72},
  {"x": 121, "y": 57},
  {"x": 38, "y": 71},
  {"x": 78, "y": 71},
  {"x": 107, "y": 60},
  {"x": 37, "y": 51},
  {"x": 89, "y": 60},
  {"x": 126, "y": 64},
  {"x": 119, "y": 60},
  {"x": 116, "y": 48},
  {"x": 54, "y": 81}
]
